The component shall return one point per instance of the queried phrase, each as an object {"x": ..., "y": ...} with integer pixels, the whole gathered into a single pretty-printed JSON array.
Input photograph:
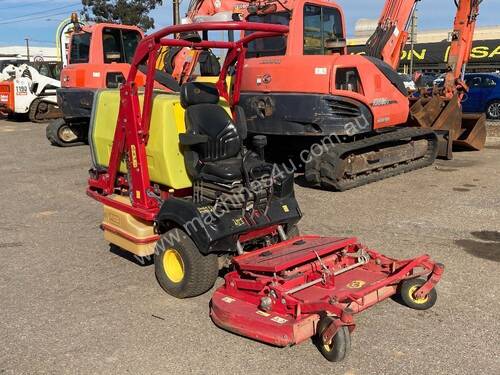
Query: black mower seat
[
  {"x": 229, "y": 170},
  {"x": 222, "y": 171},
  {"x": 214, "y": 142}
]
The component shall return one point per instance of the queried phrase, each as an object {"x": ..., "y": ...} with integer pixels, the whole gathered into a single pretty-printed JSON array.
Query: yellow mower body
[{"x": 164, "y": 152}]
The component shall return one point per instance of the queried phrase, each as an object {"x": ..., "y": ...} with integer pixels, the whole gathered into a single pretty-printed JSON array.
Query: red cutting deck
[{"x": 291, "y": 253}]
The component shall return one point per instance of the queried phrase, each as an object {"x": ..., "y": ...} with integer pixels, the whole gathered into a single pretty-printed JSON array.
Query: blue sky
[{"x": 38, "y": 19}]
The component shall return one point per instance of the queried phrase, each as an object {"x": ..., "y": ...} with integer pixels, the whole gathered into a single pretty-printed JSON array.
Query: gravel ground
[{"x": 69, "y": 305}]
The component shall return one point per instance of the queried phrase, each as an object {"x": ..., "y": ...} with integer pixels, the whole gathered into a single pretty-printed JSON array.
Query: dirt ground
[{"x": 69, "y": 305}]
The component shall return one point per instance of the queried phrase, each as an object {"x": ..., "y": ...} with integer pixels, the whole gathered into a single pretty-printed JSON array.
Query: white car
[{"x": 409, "y": 84}]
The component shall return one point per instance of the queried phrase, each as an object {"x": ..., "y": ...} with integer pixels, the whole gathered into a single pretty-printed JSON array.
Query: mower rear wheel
[
  {"x": 407, "y": 292},
  {"x": 337, "y": 350},
  {"x": 181, "y": 270}
]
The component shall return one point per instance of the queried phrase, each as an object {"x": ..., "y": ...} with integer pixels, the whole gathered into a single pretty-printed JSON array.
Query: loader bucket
[{"x": 473, "y": 132}]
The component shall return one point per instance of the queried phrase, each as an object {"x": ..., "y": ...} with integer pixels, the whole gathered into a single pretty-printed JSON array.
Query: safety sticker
[
  {"x": 279, "y": 320},
  {"x": 321, "y": 71},
  {"x": 238, "y": 222},
  {"x": 205, "y": 209},
  {"x": 259, "y": 312},
  {"x": 228, "y": 299},
  {"x": 133, "y": 153},
  {"x": 356, "y": 284},
  {"x": 285, "y": 208}
]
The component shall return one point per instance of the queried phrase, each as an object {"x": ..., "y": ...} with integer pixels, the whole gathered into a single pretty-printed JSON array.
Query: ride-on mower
[{"x": 176, "y": 181}]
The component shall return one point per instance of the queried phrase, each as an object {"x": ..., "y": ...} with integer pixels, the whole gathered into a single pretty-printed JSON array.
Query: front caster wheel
[
  {"x": 181, "y": 270},
  {"x": 408, "y": 289},
  {"x": 337, "y": 349}
]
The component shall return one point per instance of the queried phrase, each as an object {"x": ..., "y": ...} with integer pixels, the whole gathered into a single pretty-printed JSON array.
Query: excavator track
[{"x": 348, "y": 165}]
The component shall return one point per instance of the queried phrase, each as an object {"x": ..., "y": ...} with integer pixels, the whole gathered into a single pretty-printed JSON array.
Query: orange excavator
[
  {"x": 347, "y": 117},
  {"x": 440, "y": 111}
]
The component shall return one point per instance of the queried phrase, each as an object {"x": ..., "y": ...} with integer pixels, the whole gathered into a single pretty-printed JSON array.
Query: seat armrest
[{"x": 192, "y": 139}]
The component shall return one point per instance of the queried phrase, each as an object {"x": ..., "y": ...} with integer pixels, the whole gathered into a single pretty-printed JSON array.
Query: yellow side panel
[
  {"x": 165, "y": 158},
  {"x": 127, "y": 231}
]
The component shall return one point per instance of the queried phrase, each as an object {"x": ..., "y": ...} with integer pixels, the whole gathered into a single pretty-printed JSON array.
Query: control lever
[{"x": 259, "y": 142}]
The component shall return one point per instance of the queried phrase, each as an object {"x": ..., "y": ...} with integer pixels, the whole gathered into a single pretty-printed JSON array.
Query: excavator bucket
[
  {"x": 446, "y": 118},
  {"x": 473, "y": 132}
]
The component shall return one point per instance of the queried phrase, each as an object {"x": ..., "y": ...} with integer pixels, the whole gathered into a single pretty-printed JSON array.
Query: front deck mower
[
  {"x": 177, "y": 182},
  {"x": 312, "y": 286}
]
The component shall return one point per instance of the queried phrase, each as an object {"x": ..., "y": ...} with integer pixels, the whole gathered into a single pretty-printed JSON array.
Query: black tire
[
  {"x": 33, "y": 110},
  {"x": 340, "y": 345},
  {"x": 292, "y": 231},
  {"x": 407, "y": 290},
  {"x": 493, "y": 110},
  {"x": 191, "y": 273},
  {"x": 53, "y": 133}
]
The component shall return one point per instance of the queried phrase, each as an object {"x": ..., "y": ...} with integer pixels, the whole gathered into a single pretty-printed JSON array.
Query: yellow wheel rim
[
  {"x": 328, "y": 347},
  {"x": 412, "y": 291},
  {"x": 173, "y": 265}
]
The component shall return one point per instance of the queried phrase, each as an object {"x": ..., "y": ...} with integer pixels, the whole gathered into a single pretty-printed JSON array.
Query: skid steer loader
[{"x": 28, "y": 92}]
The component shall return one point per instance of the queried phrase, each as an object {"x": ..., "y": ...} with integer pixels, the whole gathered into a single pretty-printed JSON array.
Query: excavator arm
[
  {"x": 463, "y": 35},
  {"x": 391, "y": 35},
  {"x": 443, "y": 110}
]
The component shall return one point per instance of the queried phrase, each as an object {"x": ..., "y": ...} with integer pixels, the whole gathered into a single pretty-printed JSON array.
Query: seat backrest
[{"x": 204, "y": 116}]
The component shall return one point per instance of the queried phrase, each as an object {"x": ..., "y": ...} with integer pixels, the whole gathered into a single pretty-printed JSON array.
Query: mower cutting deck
[{"x": 312, "y": 286}]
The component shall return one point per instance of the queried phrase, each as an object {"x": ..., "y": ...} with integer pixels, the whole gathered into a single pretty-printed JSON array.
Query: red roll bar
[{"x": 132, "y": 128}]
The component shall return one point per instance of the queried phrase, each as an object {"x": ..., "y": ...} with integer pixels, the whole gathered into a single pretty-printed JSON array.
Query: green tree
[{"x": 128, "y": 12}]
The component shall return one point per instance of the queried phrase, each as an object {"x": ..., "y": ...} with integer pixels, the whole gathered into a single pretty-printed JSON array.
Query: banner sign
[{"x": 483, "y": 52}]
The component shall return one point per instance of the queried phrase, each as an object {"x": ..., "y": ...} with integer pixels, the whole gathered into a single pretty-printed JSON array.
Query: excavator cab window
[
  {"x": 268, "y": 46},
  {"x": 119, "y": 45},
  {"x": 347, "y": 79},
  {"x": 80, "y": 48},
  {"x": 323, "y": 32}
]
